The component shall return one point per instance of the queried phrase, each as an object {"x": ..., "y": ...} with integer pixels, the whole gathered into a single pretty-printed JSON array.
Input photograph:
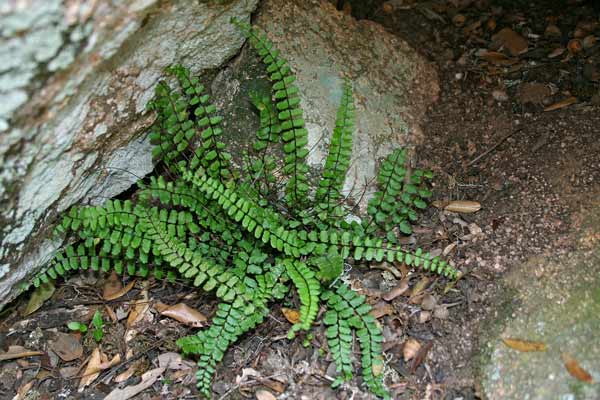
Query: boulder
[
  {"x": 74, "y": 80},
  {"x": 554, "y": 300}
]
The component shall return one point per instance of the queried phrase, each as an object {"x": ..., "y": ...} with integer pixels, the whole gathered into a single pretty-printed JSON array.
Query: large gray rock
[
  {"x": 75, "y": 78},
  {"x": 393, "y": 84},
  {"x": 555, "y": 300}
]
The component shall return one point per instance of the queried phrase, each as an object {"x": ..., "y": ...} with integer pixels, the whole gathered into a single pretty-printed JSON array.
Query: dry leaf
[
  {"x": 111, "y": 314},
  {"x": 128, "y": 392},
  {"x": 574, "y": 46},
  {"x": 418, "y": 288},
  {"x": 39, "y": 296},
  {"x": 524, "y": 345},
  {"x": 68, "y": 372},
  {"x": 377, "y": 366},
  {"x": 106, "y": 364},
  {"x": 264, "y": 395},
  {"x": 92, "y": 370},
  {"x": 463, "y": 206},
  {"x": 97, "y": 362},
  {"x": 122, "y": 292},
  {"x": 185, "y": 314},
  {"x": 18, "y": 352},
  {"x": 495, "y": 58},
  {"x": 128, "y": 373},
  {"x": 173, "y": 361},
  {"x": 274, "y": 385},
  {"x": 575, "y": 369},
  {"x": 420, "y": 356},
  {"x": 293, "y": 316},
  {"x": 67, "y": 347},
  {"x": 23, "y": 391},
  {"x": 111, "y": 286},
  {"x": 410, "y": 349},
  {"x": 561, "y": 104},
  {"x": 246, "y": 374},
  {"x": 140, "y": 309},
  {"x": 382, "y": 309},
  {"x": 397, "y": 291},
  {"x": 511, "y": 40},
  {"x": 556, "y": 52}
]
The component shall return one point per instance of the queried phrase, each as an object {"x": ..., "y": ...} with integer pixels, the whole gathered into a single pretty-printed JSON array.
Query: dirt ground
[{"x": 515, "y": 129}]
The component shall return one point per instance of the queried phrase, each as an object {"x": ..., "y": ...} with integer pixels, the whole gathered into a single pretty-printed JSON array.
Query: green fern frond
[
  {"x": 400, "y": 194},
  {"x": 336, "y": 166},
  {"x": 290, "y": 114},
  {"x": 308, "y": 290},
  {"x": 349, "y": 311}
]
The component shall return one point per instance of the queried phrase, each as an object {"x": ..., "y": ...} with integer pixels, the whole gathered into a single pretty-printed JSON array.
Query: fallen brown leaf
[
  {"x": 495, "y": 58},
  {"x": 399, "y": 290},
  {"x": 511, "y": 40},
  {"x": 128, "y": 373},
  {"x": 420, "y": 356},
  {"x": 173, "y": 361},
  {"x": 562, "y": 104},
  {"x": 97, "y": 362},
  {"x": 128, "y": 392},
  {"x": 293, "y": 316},
  {"x": 410, "y": 349},
  {"x": 92, "y": 370},
  {"x": 183, "y": 313},
  {"x": 575, "y": 369},
  {"x": 264, "y": 395},
  {"x": 382, "y": 309},
  {"x": 66, "y": 346},
  {"x": 418, "y": 289},
  {"x": 23, "y": 390},
  {"x": 121, "y": 292},
  {"x": 39, "y": 296},
  {"x": 524, "y": 345},
  {"x": 111, "y": 286},
  {"x": 463, "y": 206},
  {"x": 15, "y": 352},
  {"x": 556, "y": 52},
  {"x": 139, "y": 311}
]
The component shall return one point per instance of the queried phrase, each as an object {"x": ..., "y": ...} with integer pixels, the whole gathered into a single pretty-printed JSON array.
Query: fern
[{"x": 226, "y": 230}]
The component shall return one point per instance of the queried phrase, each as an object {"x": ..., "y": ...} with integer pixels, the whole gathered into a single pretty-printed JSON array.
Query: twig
[{"x": 488, "y": 151}]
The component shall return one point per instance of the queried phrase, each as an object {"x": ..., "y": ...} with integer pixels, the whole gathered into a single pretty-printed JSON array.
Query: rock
[
  {"x": 74, "y": 80},
  {"x": 393, "y": 85},
  {"x": 558, "y": 304}
]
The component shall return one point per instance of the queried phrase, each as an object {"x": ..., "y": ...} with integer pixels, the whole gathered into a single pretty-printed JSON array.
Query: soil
[{"x": 488, "y": 139}]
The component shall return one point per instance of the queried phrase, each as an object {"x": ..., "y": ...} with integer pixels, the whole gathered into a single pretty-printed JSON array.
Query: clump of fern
[{"x": 218, "y": 227}]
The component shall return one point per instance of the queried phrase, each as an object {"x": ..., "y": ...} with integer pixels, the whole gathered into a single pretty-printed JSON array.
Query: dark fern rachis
[{"x": 217, "y": 227}]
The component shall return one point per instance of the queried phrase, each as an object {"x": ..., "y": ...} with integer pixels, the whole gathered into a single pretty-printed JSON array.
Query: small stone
[
  {"x": 429, "y": 302},
  {"x": 441, "y": 312},
  {"x": 500, "y": 95},
  {"x": 424, "y": 316}
]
